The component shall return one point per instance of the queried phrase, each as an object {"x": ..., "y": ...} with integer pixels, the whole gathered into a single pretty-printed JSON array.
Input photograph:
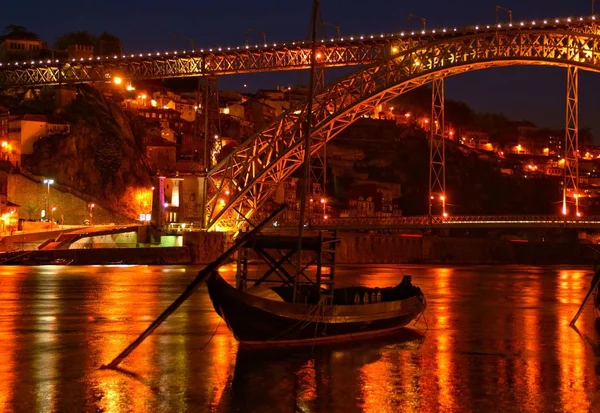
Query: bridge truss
[
  {"x": 344, "y": 51},
  {"x": 252, "y": 173}
]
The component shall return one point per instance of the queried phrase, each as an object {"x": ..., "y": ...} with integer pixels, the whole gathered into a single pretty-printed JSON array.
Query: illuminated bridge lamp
[
  {"x": 117, "y": 80},
  {"x": 443, "y": 199}
]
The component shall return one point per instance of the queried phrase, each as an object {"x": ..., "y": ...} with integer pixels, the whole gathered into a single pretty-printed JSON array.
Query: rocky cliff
[{"x": 101, "y": 156}]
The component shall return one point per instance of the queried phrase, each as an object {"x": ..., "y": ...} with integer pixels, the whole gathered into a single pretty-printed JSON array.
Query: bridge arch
[{"x": 240, "y": 183}]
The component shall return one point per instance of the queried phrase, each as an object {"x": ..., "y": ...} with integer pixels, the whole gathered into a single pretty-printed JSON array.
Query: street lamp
[
  {"x": 443, "y": 199},
  {"x": 48, "y": 182},
  {"x": 92, "y": 214}
]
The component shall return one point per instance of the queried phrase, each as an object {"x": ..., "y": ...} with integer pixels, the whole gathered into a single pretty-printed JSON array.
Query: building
[
  {"x": 373, "y": 199},
  {"x": 170, "y": 199},
  {"x": 258, "y": 113},
  {"x": 161, "y": 154},
  {"x": 159, "y": 114},
  {"x": 20, "y": 47},
  {"x": 187, "y": 108},
  {"x": 4, "y": 120},
  {"x": 475, "y": 138},
  {"x": 26, "y": 130},
  {"x": 9, "y": 211},
  {"x": 80, "y": 51}
]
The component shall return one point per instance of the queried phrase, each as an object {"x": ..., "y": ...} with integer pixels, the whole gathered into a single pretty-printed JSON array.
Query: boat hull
[{"x": 258, "y": 321}]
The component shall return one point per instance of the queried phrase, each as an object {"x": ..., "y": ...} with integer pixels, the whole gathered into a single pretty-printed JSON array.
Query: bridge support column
[
  {"x": 437, "y": 156},
  {"x": 318, "y": 165},
  {"x": 212, "y": 124},
  {"x": 571, "y": 155}
]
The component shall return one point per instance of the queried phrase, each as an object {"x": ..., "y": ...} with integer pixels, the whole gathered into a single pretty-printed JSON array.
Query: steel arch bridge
[{"x": 247, "y": 177}]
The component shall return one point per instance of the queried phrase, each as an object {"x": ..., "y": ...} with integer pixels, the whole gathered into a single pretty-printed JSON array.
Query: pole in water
[
  {"x": 595, "y": 282},
  {"x": 202, "y": 275}
]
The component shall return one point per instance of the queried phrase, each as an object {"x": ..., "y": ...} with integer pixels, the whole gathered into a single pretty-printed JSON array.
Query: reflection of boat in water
[
  {"x": 303, "y": 379},
  {"x": 352, "y": 312}
]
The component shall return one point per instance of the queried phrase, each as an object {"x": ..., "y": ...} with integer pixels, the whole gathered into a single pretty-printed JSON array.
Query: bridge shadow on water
[{"x": 307, "y": 378}]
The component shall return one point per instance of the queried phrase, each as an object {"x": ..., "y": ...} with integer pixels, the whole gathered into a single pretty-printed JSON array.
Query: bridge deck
[
  {"x": 465, "y": 221},
  {"x": 295, "y": 55}
]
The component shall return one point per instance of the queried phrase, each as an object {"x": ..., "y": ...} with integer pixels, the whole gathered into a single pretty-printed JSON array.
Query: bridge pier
[
  {"x": 571, "y": 155},
  {"x": 437, "y": 155}
]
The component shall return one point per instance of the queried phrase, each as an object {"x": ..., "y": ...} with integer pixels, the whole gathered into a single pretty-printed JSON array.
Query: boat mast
[{"x": 306, "y": 127}]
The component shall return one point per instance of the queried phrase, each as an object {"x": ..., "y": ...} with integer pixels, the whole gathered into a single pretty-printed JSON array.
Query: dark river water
[{"x": 494, "y": 339}]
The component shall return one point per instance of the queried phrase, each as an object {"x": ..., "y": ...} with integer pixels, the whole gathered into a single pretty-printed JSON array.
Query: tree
[
  {"x": 20, "y": 31},
  {"x": 31, "y": 209},
  {"x": 83, "y": 38},
  {"x": 108, "y": 44},
  {"x": 586, "y": 138}
]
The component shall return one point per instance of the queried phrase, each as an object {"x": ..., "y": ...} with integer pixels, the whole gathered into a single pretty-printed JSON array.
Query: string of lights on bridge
[{"x": 404, "y": 34}]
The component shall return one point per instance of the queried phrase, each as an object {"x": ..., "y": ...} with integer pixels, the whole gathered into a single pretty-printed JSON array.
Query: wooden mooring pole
[{"x": 202, "y": 275}]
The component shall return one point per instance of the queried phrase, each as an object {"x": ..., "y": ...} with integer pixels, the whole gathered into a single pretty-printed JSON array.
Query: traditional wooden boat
[
  {"x": 355, "y": 312},
  {"x": 305, "y": 307}
]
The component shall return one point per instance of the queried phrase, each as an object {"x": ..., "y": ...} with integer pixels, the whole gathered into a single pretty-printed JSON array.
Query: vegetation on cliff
[
  {"x": 474, "y": 183},
  {"x": 99, "y": 156}
]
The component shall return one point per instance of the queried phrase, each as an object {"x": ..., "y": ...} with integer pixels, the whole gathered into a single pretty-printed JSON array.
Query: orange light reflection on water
[
  {"x": 307, "y": 386},
  {"x": 575, "y": 390},
  {"x": 47, "y": 314},
  {"x": 377, "y": 386},
  {"x": 527, "y": 368},
  {"x": 8, "y": 317},
  {"x": 443, "y": 329},
  {"x": 126, "y": 316}
]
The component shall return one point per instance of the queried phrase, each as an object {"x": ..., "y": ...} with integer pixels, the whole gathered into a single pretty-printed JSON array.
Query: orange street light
[
  {"x": 117, "y": 80},
  {"x": 92, "y": 214}
]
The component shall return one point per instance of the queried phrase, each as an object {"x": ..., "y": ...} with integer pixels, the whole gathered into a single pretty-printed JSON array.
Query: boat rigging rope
[
  {"x": 211, "y": 337},
  {"x": 304, "y": 322}
]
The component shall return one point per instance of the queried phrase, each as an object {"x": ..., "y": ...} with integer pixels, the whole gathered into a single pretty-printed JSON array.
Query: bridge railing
[{"x": 424, "y": 221}]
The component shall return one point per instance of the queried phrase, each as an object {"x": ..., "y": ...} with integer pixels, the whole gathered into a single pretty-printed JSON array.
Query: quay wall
[
  {"x": 71, "y": 209},
  {"x": 103, "y": 256},
  {"x": 355, "y": 248},
  {"x": 361, "y": 248},
  {"x": 205, "y": 247}
]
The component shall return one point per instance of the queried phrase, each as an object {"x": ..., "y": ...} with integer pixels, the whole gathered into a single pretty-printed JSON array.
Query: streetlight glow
[
  {"x": 48, "y": 182},
  {"x": 117, "y": 80}
]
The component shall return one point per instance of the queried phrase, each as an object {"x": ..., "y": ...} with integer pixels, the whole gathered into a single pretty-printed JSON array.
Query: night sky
[{"x": 531, "y": 93}]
